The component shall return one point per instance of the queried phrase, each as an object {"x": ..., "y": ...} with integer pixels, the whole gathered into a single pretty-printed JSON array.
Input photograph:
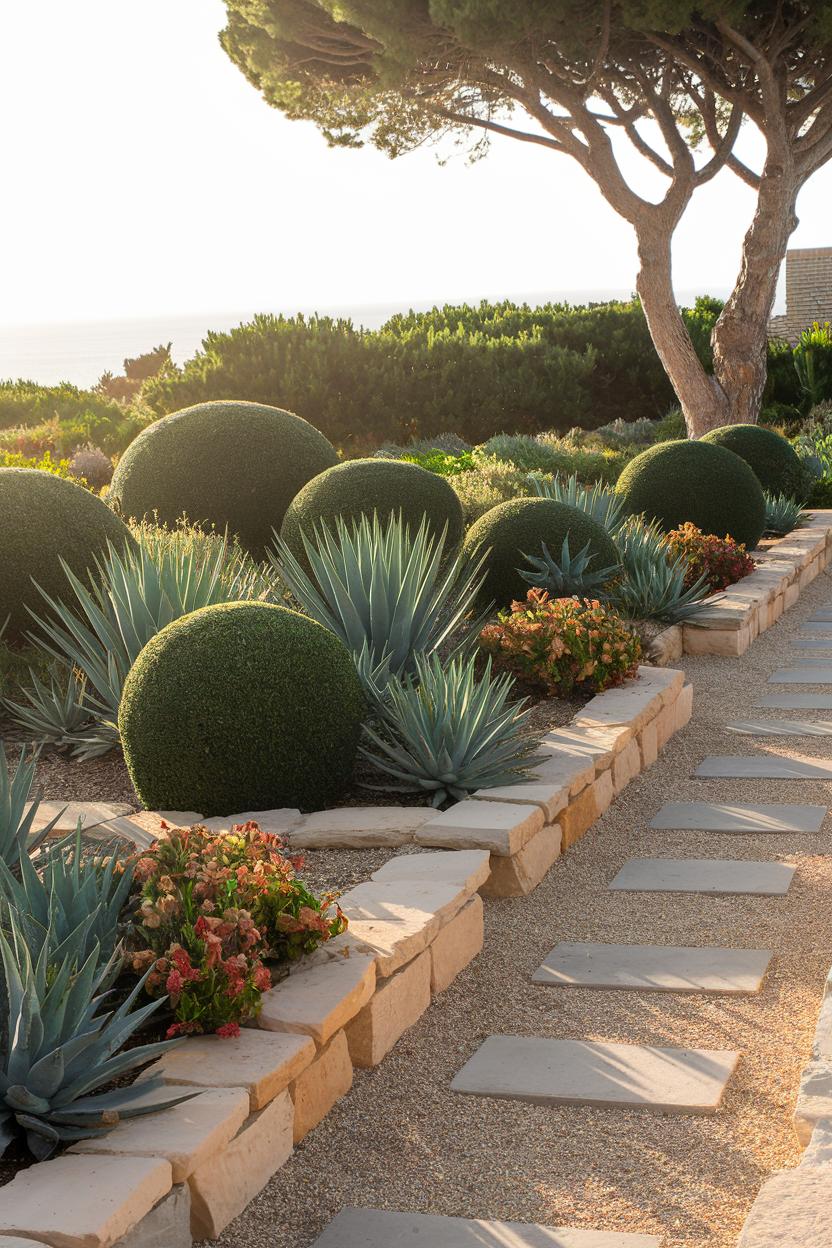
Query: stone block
[
  {"x": 718, "y": 876},
  {"x": 91, "y": 814},
  {"x": 320, "y": 1086},
  {"x": 262, "y": 1062},
  {"x": 398, "y": 920},
  {"x": 383, "y": 1228},
  {"x": 626, "y": 766},
  {"x": 664, "y": 682},
  {"x": 397, "y": 1004},
  {"x": 683, "y": 707},
  {"x": 819, "y": 1149},
  {"x": 457, "y": 944},
  {"x": 604, "y": 791},
  {"x": 357, "y": 827},
  {"x": 279, "y": 822},
  {"x": 320, "y": 1000},
  {"x": 667, "y": 646},
  {"x": 550, "y": 797},
  {"x": 500, "y": 827},
  {"x": 221, "y": 1189},
  {"x": 649, "y": 745},
  {"x": 465, "y": 868},
  {"x": 792, "y": 1210},
  {"x": 791, "y": 596},
  {"x": 166, "y": 1226},
  {"x": 82, "y": 1202},
  {"x": 578, "y": 817},
  {"x": 186, "y": 1135},
  {"x": 814, "y": 1098},
  {"x": 520, "y": 874},
  {"x": 729, "y": 642}
]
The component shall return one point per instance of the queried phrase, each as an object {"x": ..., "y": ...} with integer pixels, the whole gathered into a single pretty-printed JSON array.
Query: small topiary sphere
[
  {"x": 43, "y": 519},
  {"x": 520, "y": 527},
  {"x": 698, "y": 481},
  {"x": 770, "y": 457},
  {"x": 362, "y": 486},
  {"x": 241, "y": 706},
  {"x": 231, "y": 464}
]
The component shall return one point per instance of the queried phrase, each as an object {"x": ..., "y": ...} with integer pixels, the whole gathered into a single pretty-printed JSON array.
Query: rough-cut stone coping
[{"x": 735, "y": 618}]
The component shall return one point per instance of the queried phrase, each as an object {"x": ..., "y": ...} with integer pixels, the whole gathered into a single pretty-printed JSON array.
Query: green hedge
[
  {"x": 771, "y": 458},
  {"x": 241, "y": 706}
]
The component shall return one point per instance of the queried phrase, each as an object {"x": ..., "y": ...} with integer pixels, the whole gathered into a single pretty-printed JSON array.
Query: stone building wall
[{"x": 808, "y": 292}]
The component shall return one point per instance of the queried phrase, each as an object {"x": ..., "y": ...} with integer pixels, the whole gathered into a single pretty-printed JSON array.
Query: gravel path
[{"x": 402, "y": 1140}]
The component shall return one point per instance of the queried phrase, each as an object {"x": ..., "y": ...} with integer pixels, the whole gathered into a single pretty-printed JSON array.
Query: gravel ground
[{"x": 401, "y": 1140}]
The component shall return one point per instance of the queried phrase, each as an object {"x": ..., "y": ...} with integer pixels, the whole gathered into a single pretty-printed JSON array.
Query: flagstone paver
[
  {"x": 382, "y": 1228},
  {"x": 781, "y": 727},
  {"x": 819, "y": 675},
  {"x": 579, "y": 1072},
  {"x": 653, "y": 968},
  {"x": 813, "y": 643},
  {"x": 735, "y": 817},
  {"x": 816, "y": 626},
  {"x": 718, "y": 876},
  {"x": 764, "y": 767},
  {"x": 796, "y": 701}
]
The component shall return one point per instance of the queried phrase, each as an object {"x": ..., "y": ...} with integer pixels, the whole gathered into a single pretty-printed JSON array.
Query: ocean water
[{"x": 80, "y": 351}]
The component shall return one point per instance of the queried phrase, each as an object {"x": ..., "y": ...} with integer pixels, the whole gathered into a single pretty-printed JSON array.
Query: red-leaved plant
[{"x": 722, "y": 560}]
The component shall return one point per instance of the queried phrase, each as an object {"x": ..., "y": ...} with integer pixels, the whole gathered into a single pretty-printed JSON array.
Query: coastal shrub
[
  {"x": 360, "y": 487},
  {"x": 772, "y": 459},
  {"x": 521, "y": 527},
  {"x": 46, "y": 521},
  {"x": 677, "y": 481},
  {"x": 235, "y": 465},
  {"x": 719, "y": 560},
  {"x": 558, "y": 644},
  {"x": 241, "y": 706},
  {"x": 91, "y": 465},
  {"x": 492, "y": 481},
  {"x": 28, "y": 403}
]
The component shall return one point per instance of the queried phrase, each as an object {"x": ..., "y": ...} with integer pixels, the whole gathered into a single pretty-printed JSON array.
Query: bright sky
[{"x": 143, "y": 175}]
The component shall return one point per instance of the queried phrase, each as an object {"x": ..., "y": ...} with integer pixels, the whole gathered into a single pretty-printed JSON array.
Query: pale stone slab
[
  {"x": 186, "y": 1135},
  {"x": 816, "y": 626},
  {"x": 320, "y": 1086},
  {"x": 764, "y": 767},
  {"x": 796, "y": 701},
  {"x": 465, "y": 868},
  {"x": 396, "y": 921},
  {"x": 381, "y": 1228},
  {"x": 551, "y": 798},
  {"x": 396, "y": 1005},
  {"x": 82, "y": 1202},
  {"x": 166, "y": 1226},
  {"x": 91, "y": 814},
  {"x": 456, "y": 946},
  {"x": 580, "y": 1072},
  {"x": 278, "y": 822},
  {"x": 792, "y": 1210},
  {"x": 520, "y": 874},
  {"x": 818, "y": 675},
  {"x": 819, "y": 1149},
  {"x": 719, "y": 876},
  {"x": 319, "y": 1001},
  {"x": 500, "y": 827},
  {"x": 814, "y": 1099},
  {"x": 264, "y": 1063},
  {"x": 357, "y": 827},
  {"x": 813, "y": 643},
  {"x": 654, "y": 968},
  {"x": 781, "y": 727},
  {"x": 734, "y": 817}
]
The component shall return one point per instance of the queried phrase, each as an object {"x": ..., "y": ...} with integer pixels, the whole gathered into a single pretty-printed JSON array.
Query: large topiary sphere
[
  {"x": 362, "y": 486},
  {"x": 231, "y": 464},
  {"x": 241, "y": 706},
  {"x": 698, "y": 481},
  {"x": 520, "y": 527},
  {"x": 43, "y": 519},
  {"x": 770, "y": 457}
]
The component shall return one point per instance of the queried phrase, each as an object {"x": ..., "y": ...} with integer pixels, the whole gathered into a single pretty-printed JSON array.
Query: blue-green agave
[
  {"x": 652, "y": 586},
  {"x": 18, "y": 809},
  {"x": 571, "y": 576},
  {"x": 783, "y": 513},
  {"x": 597, "y": 500}
]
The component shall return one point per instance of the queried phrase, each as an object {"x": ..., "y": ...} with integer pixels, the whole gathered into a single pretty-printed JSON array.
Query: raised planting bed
[{"x": 746, "y": 609}]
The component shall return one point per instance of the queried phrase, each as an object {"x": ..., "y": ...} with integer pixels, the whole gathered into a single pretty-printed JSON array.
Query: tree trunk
[{"x": 703, "y": 402}]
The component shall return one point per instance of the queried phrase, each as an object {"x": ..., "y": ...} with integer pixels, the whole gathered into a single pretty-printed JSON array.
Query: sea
[{"x": 80, "y": 351}]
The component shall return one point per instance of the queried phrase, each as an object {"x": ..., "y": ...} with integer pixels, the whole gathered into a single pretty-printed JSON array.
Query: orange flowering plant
[
  {"x": 720, "y": 559},
  {"x": 212, "y": 911},
  {"x": 558, "y": 643}
]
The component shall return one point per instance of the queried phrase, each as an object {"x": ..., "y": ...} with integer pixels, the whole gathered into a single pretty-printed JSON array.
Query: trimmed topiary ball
[
  {"x": 770, "y": 457},
  {"x": 520, "y": 527},
  {"x": 362, "y": 486},
  {"x": 231, "y": 464},
  {"x": 241, "y": 706},
  {"x": 698, "y": 481},
  {"x": 43, "y": 519}
]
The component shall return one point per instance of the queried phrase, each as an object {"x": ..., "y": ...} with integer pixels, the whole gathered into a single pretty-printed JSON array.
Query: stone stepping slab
[
  {"x": 813, "y": 643},
  {"x": 817, "y": 675},
  {"x": 796, "y": 701},
  {"x": 781, "y": 727},
  {"x": 732, "y": 817},
  {"x": 653, "y": 968},
  {"x": 382, "y": 1228},
  {"x": 581, "y": 1072},
  {"x": 764, "y": 767},
  {"x": 816, "y": 626},
  {"x": 719, "y": 876}
]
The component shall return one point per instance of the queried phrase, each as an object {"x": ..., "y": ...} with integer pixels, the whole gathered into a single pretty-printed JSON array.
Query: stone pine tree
[{"x": 676, "y": 79}]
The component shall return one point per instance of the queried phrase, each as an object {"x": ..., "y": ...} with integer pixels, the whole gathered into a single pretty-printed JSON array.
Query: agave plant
[
  {"x": 65, "y": 900},
  {"x": 18, "y": 809},
  {"x": 55, "y": 713},
  {"x": 444, "y": 731},
  {"x": 382, "y": 589},
  {"x": 63, "y": 1044},
  {"x": 571, "y": 577},
  {"x": 783, "y": 513},
  {"x": 652, "y": 586},
  {"x": 597, "y": 500},
  {"x": 131, "y": 596}
]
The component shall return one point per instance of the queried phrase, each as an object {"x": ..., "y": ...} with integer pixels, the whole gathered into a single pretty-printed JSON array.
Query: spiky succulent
[
  {"x": 63, "y": 1043},
  {"x": 445, "y": 731},
  {"x": 597, "y": 500},
  {"x": 55, "y": 713},
  {"x": 652, "y": 586},
  {"x": 783, "y": 513},
  {"x": 18, "y": 809},
  {"x": 571, "y": 576}
]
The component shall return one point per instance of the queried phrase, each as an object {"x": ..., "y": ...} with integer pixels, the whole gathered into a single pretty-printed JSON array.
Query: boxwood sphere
[
  {"x": 241, "y": 706},
  {"x": 520, "y": 527},
  {"x": 43, "y": 519},
  {"x": 232, "y": 464},
  {"x": 770, "y": 457},
  {"x": 698, "y": 481},
  {"x": 362, "y": 486}
]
